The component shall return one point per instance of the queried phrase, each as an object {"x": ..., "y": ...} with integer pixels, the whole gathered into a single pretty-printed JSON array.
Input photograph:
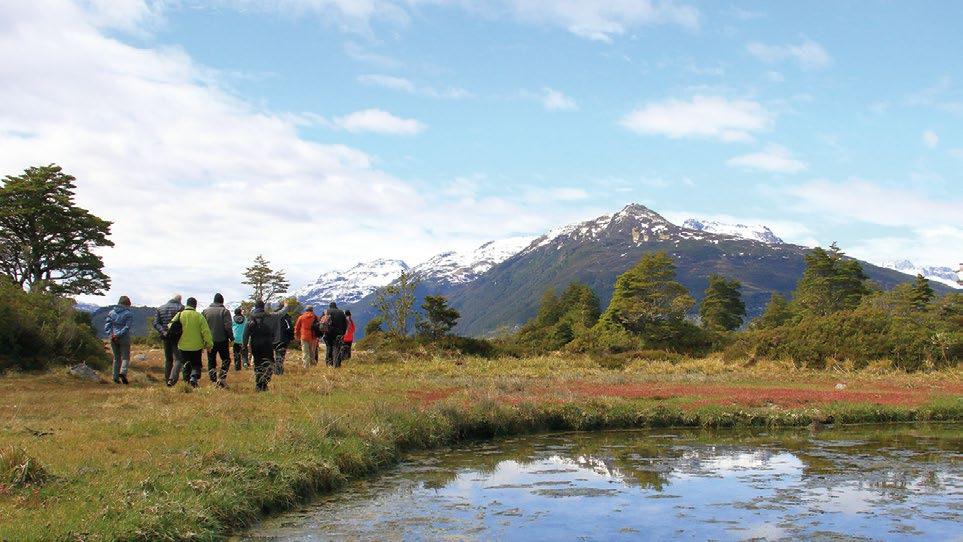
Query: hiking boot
[
  {"x": 116, "y": 380},
  {"x": 194, "y": 383},
  {"x": 170, "y": 383},
  {"x": 123, "y": 378}
]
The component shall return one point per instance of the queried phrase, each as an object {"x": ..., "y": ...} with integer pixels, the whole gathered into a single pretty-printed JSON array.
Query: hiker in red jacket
[
  {"x": 348, "y": 337},
  {"x": 304, "y": 332}
]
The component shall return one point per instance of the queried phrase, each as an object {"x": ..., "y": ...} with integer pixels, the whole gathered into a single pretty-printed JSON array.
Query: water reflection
[{"x": 892, "y": 483}]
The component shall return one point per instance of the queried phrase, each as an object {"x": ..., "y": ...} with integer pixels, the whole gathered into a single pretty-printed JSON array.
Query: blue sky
[{"x": 325, "y": 132}]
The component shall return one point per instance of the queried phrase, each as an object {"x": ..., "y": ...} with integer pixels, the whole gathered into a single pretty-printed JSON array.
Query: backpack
[
  {"x": 320, "y": 326},
  {"x": 258, "y": 330},
  {"x": 176, "y": 329}
]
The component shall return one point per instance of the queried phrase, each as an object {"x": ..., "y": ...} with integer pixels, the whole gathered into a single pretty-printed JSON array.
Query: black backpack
[{"x": 175, "y": 330}]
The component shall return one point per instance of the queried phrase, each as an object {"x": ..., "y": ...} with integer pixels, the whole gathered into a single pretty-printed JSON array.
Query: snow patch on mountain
[
  {"x": 754, "y": 232},
  {"x": 465, "y": 266},
  {"x": 351, "y": 285},
  {"x": 86, "y": 307},
  {"x": 944, "y": 275}
]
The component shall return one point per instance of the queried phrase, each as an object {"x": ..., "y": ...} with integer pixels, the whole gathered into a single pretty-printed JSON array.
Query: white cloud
[
  {"x": 869, "y": 202},
  {"x": 401, "y": 84},
  {"x": 198, "y": 181},
  {"x": 930, "y": 139},
  {"x": 601, "y": 20},
  {"x": 923, "y": 246},
  {"x": 700, "y": 117},
  {"x": 568, "y": 194},
  {"x": 554, "y": 100},
  {"x": 380, "y": 122},
  {"x": 809, "y": 54},
  {"x": 774, "y": 159}
]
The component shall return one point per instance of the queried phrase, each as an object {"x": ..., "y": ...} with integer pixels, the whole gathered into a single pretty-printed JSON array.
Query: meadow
[{"x": 97, "y": 461}]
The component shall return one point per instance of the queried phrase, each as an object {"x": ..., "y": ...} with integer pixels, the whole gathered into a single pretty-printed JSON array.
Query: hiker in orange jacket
[{"x": 304, "y": 331}]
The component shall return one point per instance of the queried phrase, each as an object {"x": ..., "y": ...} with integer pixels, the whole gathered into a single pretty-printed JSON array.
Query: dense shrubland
[
  {"x": 837, "y": 315},
  {"x": 39, "y": 329}
]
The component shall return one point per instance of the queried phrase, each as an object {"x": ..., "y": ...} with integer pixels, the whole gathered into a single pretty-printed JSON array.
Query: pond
[{"x": 896, "y": 482}]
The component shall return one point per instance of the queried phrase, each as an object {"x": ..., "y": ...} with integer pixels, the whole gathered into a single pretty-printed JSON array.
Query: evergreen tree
[
  {"x": 922, "y": 293},
  {"x": 830, "y": 283},
  {"x": 47, "y": 242},
  {"x": 560, "y": 319},
  {"x": 266, "y": 283},
  {"x": 648, "y": 302},
  {"x": 439, "y": 319},
  {"x": 722, "y": 308},
  {"x": 777, "y": 313}
]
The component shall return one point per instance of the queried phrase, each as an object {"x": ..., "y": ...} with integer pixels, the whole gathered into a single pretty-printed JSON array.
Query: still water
[{"x": 854, "y": 483}]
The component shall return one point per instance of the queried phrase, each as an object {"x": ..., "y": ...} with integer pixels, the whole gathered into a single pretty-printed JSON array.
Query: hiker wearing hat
[
  {"x": 337, "y": 326},
  {"x": 259, "y": 338},
  {"x": 221, "y": 324},
  {"x": 304, "y": 332},
  {"x": 284, "y": 334},
  {"x": 239, "y": 325}
]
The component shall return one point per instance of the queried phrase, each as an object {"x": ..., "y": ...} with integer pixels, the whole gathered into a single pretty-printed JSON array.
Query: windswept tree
[
  {"x": 722, "y": 308},
  {"x": 439, "y": 317},
  {"x": 830, "y": 283},
  {"x": 395, "y": 303},
  {"x": 266, "y": 284},
  {"x": 648, "y": 302},
  {"x": 47, "y": 242}
]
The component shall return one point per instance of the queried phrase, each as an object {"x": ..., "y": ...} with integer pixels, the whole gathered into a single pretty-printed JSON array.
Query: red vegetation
[{"x": 710, "y": 394}]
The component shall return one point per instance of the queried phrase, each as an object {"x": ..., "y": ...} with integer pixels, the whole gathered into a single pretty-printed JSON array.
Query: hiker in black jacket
[
  {"x": 284, "y": 334},
  {"x": 162, "y": 320},
  {"x": 259, "y": 338},
  {"x": 337, "y": 326}
]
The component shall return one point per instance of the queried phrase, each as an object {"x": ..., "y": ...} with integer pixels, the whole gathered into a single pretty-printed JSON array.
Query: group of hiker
[{"x": 260, "y": 338}]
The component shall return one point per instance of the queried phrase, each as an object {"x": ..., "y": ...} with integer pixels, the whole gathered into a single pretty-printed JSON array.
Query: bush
[
  {"x": 912, "y": 340},
  {"x": 38, "y": 330}
]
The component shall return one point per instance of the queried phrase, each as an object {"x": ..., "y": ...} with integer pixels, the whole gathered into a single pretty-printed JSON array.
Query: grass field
[{"x": 89, "y": 461}]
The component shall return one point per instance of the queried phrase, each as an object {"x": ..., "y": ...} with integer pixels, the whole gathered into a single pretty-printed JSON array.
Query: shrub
[
  {"x": 40, "y": 329},
  {"x": 912, "y": 341}
]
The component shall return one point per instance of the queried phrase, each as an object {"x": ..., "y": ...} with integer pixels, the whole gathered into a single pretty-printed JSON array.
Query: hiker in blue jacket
[{"x": 117, "y": 327}]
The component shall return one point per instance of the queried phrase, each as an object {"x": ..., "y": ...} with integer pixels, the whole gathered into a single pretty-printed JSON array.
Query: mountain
[
  {"x": 597, "y": 251},
  {"x": 944, "y": 275},
  {"x": 348, "y": 287},
  {"x": 757, "y": 232},
  {"x": 466, "y": 266},
  {"x": 86, "y": 307}
]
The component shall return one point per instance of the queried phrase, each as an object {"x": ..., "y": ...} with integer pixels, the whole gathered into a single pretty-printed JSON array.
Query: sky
[{"x": 321, "y": 133}]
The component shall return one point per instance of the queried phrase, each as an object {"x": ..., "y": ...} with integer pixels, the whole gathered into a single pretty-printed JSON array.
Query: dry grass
[{"x": 102, "y": 461}]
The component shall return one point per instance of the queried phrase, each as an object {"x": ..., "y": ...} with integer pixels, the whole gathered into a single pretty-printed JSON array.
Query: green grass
[{"x": 145, "y": 462}]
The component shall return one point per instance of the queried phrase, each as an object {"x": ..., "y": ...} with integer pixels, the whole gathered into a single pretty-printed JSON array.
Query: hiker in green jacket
[{"x": 195, "y": 338}]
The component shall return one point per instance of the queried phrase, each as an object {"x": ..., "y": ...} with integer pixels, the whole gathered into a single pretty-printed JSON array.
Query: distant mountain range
[
  {"x": 945, "y": 275},
  {"x": 498, "y": 285}
]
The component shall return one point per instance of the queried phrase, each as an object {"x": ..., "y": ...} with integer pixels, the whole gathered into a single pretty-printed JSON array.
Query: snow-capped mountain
[
  {"x": 451, "y": 268},
  {"x": 755, "y": 232},
  {"x": 86, "y": 307},
  {"x": 466, "y": 266},
  {"x": 944, "y": 275},
  {"x": 351, "y": 285}
]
